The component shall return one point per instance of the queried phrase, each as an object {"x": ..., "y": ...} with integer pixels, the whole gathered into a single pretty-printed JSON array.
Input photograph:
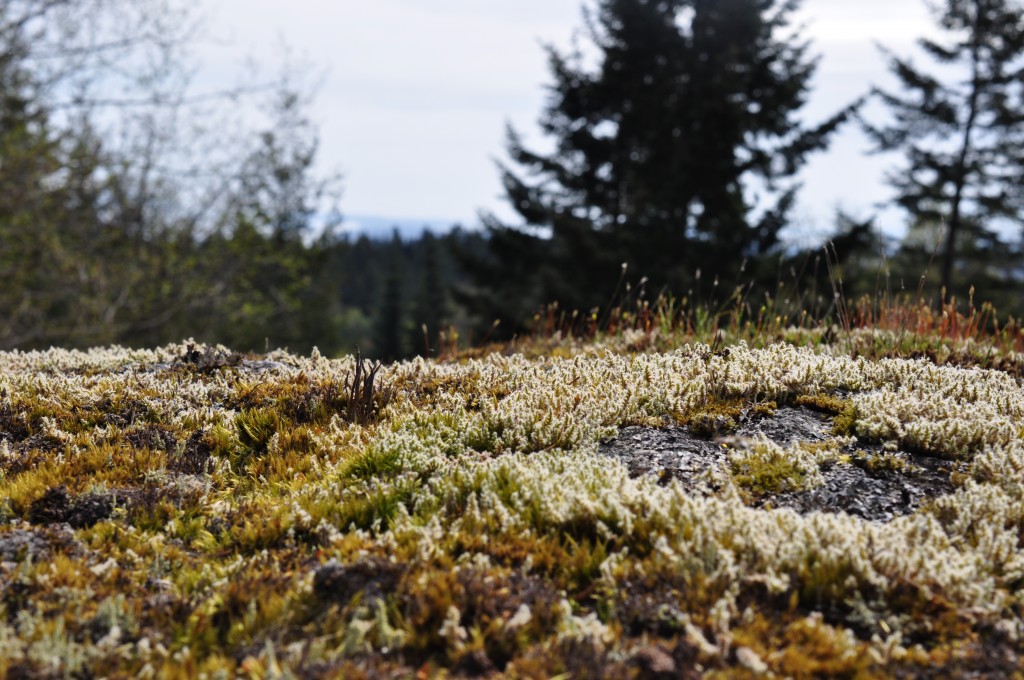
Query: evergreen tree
[
  {"x": 269, "y": 257},
  {"x": 55, "y": 223},
  {"x": 690, "y": 102},
  {"x": 278, "y": 191},
  {"x": 390, "y": 329},
  {"x": 430, "y": 307},
  {"x": 963, "y": 140},
  {"x": 28, "y": 156},
  {"x": 154, "y": 231}
]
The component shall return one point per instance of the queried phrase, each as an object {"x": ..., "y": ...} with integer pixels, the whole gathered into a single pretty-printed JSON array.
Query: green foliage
[
  {"x": 376, "y": 507},
  {"x": 771, "y": 473},
  {"x": 375, "y": 463},
  {"x": 56, "y": 290},
  {"x": 143, "y": 230},
  {"x": 962, "y": 140},
  {"x": 103, "y": 243},
  {"x": 430, "y": 313},
  {"x": 689, "y": 100},
  {"x": 255, "y": 429},
  {"x": 390, "y": 335}
]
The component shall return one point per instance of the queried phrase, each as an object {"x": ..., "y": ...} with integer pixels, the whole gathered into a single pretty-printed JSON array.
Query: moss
[
  {"x": 375, "y": 464},
  {"x": 710, "y": 424},
  {"x": 256, "y": 427},
  {"x": 375, "y": 507},
  {"x": 825, "y": 403},
  {"x": 232, "y": 523},
  {"x": 879, "y": 462},
  {"x": 845, "y": 421},
  {"x": 772, "y": 473},
  {"x": 715, "y": 419}
]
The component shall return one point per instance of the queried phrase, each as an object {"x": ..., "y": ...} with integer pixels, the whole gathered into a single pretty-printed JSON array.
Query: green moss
[
  {"x": 709, "y": 425},
  {"x": 879, "y": 462},
  {"x": 844, "y": 423},
  {"x": 825, "y": 403},
  {"x": 715, "y": 419},
  {"x": 375, "y": 463},
  {"x": 374, "y": 507},
  {"x": 255, "y": 429},
  {"x": 772, "y": 473},
  {"x": 230, "y": 495}
]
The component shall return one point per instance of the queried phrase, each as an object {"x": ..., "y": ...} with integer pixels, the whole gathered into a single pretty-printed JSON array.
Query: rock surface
[{"x": 699, "y": 464}]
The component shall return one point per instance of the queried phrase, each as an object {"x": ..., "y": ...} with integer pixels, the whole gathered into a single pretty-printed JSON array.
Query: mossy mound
[{"x": 188, "y": 511}]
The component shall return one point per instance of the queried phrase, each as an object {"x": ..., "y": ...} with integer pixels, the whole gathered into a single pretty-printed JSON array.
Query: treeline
[
  {"x": 136, "y": 210},
  {"x": 677, "y": 153},
  {"x": 389, "y": 299}
]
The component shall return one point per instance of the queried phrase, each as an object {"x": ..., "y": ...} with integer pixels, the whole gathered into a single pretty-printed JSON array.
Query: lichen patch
[{"x": 185, "y": 510}]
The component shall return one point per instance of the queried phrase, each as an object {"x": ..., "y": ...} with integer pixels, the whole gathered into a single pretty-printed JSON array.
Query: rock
[{"x": 879, "y": 495}]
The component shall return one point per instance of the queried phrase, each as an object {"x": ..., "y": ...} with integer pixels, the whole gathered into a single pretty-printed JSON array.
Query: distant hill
[{"x": 381, "y": 227}]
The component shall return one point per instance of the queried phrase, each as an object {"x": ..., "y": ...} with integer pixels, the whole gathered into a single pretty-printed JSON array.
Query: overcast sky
[{"x": 417, "y": 93}]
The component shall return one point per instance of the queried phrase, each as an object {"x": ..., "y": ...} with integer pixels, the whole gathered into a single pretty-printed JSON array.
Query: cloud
[{"x": 418, "y": 93}]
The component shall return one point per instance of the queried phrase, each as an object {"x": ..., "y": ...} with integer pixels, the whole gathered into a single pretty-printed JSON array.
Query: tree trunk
[{"x": 960, "y": 169}]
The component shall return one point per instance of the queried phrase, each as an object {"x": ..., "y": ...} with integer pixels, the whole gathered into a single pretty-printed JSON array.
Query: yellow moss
[
  {"x": 768, "y": 474},
  {"x": 843, "y": 423},
  {"x": 474, "y": 505},
  {"x": 877, "y": 462},
  {"x": 20, "y": 491},
  {"x": 764, "y": 409},
  {"x": 825, "y": 403},
  {"x": 715, "y": 418},
  {"x": 804, "y": 647}
]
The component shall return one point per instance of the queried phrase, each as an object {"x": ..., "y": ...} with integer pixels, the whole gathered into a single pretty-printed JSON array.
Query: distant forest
[{"x": 137, "y": 211}]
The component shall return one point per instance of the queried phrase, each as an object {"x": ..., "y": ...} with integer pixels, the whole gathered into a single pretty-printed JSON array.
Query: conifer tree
[
  {"x": 389, "y": 333},
  {"x": 28, "y": 155},
  {"x": 53, "y": 223},
  {"x": 430, "y": 306},
  {"x": 963, "y": 139},
  {"x": 655, "y": 149}
]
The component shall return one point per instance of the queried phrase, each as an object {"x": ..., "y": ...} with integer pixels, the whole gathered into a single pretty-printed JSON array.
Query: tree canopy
[
  {"x": 960, "y": 128},
  {"x": 675, "y": 153}
]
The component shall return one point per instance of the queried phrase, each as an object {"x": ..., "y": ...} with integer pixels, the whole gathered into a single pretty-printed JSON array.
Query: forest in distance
[{"x": 135, "y": 220}]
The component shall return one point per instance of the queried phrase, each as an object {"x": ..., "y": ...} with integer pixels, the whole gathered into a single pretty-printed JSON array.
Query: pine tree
[
  {"x": 430, "y": 308},
  {"x": 61, "y": 263},
  {"x": 29, "y": 154},
  {"x": 655, "y": 148},
  {"x": 269, "y": 265},
  {"x": 963, "y": 140},
  {"x": 389, "y": 333}
]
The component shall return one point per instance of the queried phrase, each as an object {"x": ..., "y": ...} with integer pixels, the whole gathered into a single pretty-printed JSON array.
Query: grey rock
[{"x": 674, "y": 454}]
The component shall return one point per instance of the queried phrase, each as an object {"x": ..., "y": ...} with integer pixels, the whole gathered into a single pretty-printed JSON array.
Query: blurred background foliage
[{"x": 134, "y": 211}]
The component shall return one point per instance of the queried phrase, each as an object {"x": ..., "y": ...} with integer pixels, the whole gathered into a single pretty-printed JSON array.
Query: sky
[{"x": 415, "y": 94}]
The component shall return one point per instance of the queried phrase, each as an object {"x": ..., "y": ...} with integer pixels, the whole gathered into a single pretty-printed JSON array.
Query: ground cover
[{"x": 622, "y": 507}]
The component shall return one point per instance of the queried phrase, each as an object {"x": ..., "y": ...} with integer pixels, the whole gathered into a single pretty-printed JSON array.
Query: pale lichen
[{"x": 470, "y": 524}]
